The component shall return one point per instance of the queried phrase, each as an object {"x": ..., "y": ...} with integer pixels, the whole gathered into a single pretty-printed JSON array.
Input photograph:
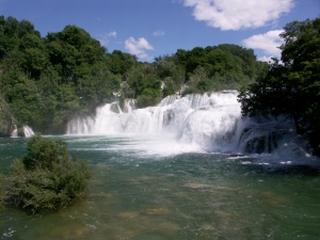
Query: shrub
[
  {"x": 149, "y": 97},
  {"x": 47, "y": 178}
]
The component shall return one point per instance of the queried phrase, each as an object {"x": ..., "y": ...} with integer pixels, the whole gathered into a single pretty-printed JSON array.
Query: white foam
[{"x": 208, "y": 122}]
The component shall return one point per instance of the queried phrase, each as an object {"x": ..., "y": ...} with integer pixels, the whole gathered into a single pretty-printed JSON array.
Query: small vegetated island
[
  {"x": 45, "y": 81},
  {"x": 46, "y": 178}
]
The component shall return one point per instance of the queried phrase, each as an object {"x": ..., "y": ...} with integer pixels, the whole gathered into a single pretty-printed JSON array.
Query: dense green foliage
[
  {"x": 47, "y": 81},
  {"x": 6, "y": 126},
  {"x": 226, "y": 66},
  {"x": 47, "y": 178},
  {"x": 293, "y": 87}
]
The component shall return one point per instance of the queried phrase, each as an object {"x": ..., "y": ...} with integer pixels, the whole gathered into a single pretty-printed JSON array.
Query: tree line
[{"x": 46, "y": 81}]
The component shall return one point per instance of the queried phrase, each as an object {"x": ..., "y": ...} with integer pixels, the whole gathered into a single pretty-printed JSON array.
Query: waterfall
[
  {"x": 14, "y": 133},
  {"x": 211, "y": 121},
  {"x": 26, "y": 131},
  {"x": 129, "y": 105},
  {"x": 173, "y": 114}
]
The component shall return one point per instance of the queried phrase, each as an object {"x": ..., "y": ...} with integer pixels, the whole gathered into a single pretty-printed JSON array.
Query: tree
[
  {"x": 25, "y": 27},
  {"x": 148, "y": 97},
  {"x": 47, "y": 178},
  {"x": 35, "y": 61},
  {"x": 120, "y": 62},
  {"x": 291, "y": 88},
  {"x": 301, "y": 55}
]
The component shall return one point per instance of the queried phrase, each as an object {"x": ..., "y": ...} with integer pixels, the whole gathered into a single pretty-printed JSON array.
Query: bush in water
[{"x": 47, "y": 178}]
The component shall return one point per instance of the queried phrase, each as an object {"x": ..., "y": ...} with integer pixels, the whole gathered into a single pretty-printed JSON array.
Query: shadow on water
[{"x": 294, "y": 170}]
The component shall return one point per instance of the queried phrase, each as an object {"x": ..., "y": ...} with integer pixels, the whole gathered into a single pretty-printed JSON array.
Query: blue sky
[{"x": 151, "y": 28}]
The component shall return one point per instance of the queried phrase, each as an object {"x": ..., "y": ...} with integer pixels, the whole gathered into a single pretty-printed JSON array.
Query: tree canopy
[
  {"x": 46, "y": 81},
  {"x": 292, "y": 87}
]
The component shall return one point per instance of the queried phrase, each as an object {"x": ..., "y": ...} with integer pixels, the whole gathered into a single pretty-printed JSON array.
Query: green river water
[{"x": 140, "y": 193}]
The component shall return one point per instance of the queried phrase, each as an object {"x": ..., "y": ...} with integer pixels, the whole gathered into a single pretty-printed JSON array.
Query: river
[
  {"x": 138, "y": 192},
  {"x": 189, "y": 168}
]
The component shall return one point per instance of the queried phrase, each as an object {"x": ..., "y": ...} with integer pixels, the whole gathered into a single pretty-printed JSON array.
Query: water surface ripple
[{"x": 139, "y": 193}]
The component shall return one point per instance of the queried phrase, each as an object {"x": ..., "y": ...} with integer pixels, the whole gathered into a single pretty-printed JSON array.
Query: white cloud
[
  {"x": 138, "y": 47},
  {"x": 268, "y": 42},
  {"x": 158, "y": 33},
  {"x": 238, "y": 14},
  {"x": 265, "y": 59},
  {"x": 112, "y": 34},
  {"x": 104, "y": 38}
]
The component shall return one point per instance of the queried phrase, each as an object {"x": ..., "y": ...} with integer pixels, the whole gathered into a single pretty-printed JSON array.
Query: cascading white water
[
  {"x": 205, "y": 120},
  {"x": 209, "y": 121},
  {"x": 14, "y": 133},
  {"x": 27, "y": 131}
]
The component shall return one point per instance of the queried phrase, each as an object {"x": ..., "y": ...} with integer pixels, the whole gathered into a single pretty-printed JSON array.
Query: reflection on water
[{"x": 136, "y": 195}]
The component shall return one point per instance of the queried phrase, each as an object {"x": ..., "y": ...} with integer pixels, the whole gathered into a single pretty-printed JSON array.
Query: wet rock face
[
  {"x": 6, "y": 128},
  {"x": 262, "y": 144},
  {"x": 259, "y": 141}
]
